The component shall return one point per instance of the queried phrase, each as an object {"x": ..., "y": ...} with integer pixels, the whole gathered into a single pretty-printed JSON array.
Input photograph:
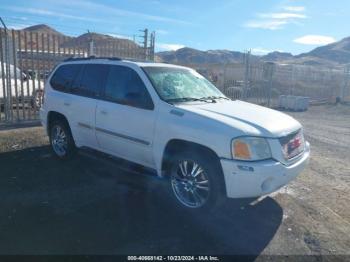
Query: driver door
[{"x": 125, "y": 118}]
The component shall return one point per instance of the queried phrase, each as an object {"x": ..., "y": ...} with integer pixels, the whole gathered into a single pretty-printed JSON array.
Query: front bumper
[{"x": 253, "y": 179}]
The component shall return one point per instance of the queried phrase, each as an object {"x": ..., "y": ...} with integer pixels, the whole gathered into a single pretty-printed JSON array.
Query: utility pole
[
  {"x": 346, "y": 82},
  {"x": 91, "y": 45},
  {"x": 293, "y": 80},
  {"x": 145, "y": 42},
  {"x": 246, "y": 73},
  {"x": 152, "y": 45},
  {"x": 270, "y": 68}
]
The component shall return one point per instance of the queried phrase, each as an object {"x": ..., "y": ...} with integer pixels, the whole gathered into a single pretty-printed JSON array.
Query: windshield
[{"x": 174, "y": 84}]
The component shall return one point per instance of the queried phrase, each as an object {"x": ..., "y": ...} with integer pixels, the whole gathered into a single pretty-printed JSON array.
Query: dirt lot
[{"x": 87, "y": 206}]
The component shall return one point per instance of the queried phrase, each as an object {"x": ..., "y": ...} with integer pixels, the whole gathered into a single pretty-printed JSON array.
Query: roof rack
[{"x": 90, "y": 58}]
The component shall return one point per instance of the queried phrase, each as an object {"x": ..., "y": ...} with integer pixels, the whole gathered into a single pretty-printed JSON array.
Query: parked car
[
  {"x": 171, "y": 119},
  {"x": 31, "y": 92}
]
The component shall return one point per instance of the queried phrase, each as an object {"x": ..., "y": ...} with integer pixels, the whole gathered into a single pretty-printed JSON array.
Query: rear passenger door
[
  {"x": 65, "y": 101},
  {"x": 125, "y": 117},
  {"x": 85, "y": 91}
]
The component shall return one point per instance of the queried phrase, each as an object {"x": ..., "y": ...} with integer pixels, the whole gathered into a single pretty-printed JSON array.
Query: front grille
[{"x": 292, "y": 144}]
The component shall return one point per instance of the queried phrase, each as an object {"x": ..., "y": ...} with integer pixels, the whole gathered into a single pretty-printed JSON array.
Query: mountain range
[
  {"x": 81, "y": 40},
  {"x": 331, "y": 55},
  {"x": 334, "y": 54}
]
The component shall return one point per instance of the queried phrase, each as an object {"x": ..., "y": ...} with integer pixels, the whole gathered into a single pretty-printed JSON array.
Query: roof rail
[{"x": 90, "y": 58}]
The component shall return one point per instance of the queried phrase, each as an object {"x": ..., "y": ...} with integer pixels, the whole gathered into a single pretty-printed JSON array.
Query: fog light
[{"x": 267, "y": 185}]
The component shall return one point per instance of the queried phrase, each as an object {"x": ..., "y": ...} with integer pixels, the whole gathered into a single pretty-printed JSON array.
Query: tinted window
[
  {"x": 92, "y": 79},
  {"x": 124, "y": 86},
  {"x": 64, "y": 76}
]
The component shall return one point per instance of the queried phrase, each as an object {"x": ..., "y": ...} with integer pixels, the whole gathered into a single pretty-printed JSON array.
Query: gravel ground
[
  {"x": 90, "y": 206},
  {"x": 316, "y": 205}
]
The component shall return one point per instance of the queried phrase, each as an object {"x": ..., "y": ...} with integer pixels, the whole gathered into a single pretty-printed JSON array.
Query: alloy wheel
[
  {"x": 190, "y": 184},
  {"x": 59, "y": 141}
]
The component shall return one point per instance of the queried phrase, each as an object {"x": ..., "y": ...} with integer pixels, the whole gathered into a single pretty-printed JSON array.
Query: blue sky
[{"x": 294, "y": 26}]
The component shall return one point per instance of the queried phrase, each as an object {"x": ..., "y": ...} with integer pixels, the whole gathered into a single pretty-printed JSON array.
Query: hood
[{"x": 249, "y": 119}]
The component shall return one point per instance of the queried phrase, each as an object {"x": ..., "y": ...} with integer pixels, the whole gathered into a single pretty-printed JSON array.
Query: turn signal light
[{"x": 241, "y": 150}]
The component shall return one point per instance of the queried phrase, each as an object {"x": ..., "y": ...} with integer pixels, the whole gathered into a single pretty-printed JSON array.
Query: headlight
[{"x": 250, "y": 148}]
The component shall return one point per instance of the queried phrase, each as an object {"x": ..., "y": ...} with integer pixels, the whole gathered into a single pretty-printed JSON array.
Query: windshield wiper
[
  {"x": 215, "y": 97},
  {"x": 184, "y": 99}
]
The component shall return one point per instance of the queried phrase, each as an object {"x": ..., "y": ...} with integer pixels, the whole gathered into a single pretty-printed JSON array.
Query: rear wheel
[
  {"x": 196, "y": 181},
  {"x": 61, "y": 140}
]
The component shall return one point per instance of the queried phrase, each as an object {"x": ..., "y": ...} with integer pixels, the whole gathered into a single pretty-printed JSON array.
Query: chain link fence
[
  {"x": 27, "y": 58},
  {"x": 264, "y": 82}
]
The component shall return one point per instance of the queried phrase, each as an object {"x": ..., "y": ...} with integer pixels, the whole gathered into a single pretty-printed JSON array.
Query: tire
[
  {"x": 204, "y": 195},
  {"x": 61, "y": 140},
  {"x": 36, "y": 99}
]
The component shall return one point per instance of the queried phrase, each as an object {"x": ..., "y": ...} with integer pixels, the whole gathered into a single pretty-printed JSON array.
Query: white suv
[{"x": 171, "y": 119}]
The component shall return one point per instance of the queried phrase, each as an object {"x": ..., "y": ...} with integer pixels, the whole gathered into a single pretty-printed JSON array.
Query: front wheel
[{"x": 196, "y": 181}]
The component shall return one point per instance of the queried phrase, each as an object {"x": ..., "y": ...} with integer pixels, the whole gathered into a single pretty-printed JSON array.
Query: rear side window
[
  {"x": 92, "y": 80},
  {"x": 124, "y": 86},
  {"x": 64, "y": 76}
]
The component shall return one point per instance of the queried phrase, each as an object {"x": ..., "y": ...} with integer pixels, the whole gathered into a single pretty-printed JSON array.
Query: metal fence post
[
  {"x": 7, "y": 97},
  {"x": 152, "y": 46},
  {"x": 269, "y": 70},
  {"x": 91, "y": 50},
  {"x": 145, "y": 43},
  {"x": 246, "y": 73},
  {"x": 3, "y": 79}
]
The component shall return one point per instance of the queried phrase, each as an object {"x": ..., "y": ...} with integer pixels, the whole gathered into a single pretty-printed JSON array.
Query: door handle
[
  {"x": 66, "y": 103},
  {"x": 103, "y": 112}
]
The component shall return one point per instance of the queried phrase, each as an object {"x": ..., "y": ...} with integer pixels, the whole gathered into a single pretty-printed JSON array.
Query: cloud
[
  {"x": 314, "y": 40},
  {"x": 282, "y": 15},
  {"x": 18, "y": 26},
  {"x": 89, "y": 8},
  {"x": 168, "y": 47},
  {"x": 260, "y": 51},
  {"x": 266, "y": 24},
  {"x": 162, "y": 32},
  {"x": 294, "y": 8},
  {"x": 119, "y": 36},
  {"x": 277, "y": 20},
  {"x": 37, "y": 11}
]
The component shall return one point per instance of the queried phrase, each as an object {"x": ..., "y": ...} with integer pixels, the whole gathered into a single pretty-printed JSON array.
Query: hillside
[
  {"x": 42, "y": 29},
  {"x": 338, "y": 52},
  {"x": 99, "y": 40},
  {"x": 330, "y": 55},
  {"x": 193, "y": 56},
  {"x": 277, "y": 56},
  {"x": 62, "y": 40}
]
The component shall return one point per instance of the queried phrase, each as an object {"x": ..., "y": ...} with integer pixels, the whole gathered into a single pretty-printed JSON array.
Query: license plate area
[{"x": 292, "y": 145}]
